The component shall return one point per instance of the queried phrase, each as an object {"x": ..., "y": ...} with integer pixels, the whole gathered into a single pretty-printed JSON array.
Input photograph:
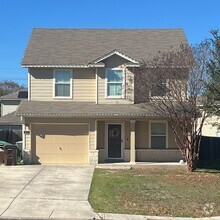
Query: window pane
[
  {"x": 16, "y": 127},
  {"x": 158, "y": 90},
  {"x": 158, "y": 128},
  {"x": 4, "y": 127},
  {"x": 62, "y": 76},
  {"x": 62, "y": 90},
  {"x": 115, "y": 75},
  {"x": 66, "y": 90},
  {"x": 114, "y": 89},
  {"x": 158, "y": 142}
]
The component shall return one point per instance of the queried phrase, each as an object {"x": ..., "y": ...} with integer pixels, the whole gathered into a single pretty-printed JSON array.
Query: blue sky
[{"x": 18, "y": 17}]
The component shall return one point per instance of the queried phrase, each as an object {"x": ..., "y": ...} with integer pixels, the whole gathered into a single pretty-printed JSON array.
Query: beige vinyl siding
[
  {"x": 41, "y": 84},
  {"x": 101, "y": 141},
  {"x": 114, "y": 61},
  {"x": 9, "y": 107},
  {"x": 171, "y": 138},
  {"x": 84, "y": 85},
  {"x": 42, "y": 88},
  {"x": 211, "y": 126},
  {"x": 101, "y": 135},
  {"x": 142, "y": 134}
]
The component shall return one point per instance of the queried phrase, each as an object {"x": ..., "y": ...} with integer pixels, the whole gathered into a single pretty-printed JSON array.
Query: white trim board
[{"x": 115, "y": 52}]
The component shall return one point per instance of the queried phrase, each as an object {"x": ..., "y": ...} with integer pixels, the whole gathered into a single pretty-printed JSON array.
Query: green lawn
[{"x": 162, "y": 192}]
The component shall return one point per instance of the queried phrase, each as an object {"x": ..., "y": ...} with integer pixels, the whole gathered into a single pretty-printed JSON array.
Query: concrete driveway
[{"x": 46, "y": 191}]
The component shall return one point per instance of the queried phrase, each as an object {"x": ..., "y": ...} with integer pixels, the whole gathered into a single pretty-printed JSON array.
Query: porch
[{"x": 136, "y": 141}]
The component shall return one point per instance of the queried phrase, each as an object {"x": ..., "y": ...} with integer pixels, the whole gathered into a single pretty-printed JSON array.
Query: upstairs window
[
  {"x": 63, "y": 83},
  {"x": 159, "y": 89},
  {"x": 115, "y": 83},
  {"x": 158, "y": 135}
]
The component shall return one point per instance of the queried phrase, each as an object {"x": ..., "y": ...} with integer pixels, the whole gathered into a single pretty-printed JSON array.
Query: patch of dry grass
[{"x": 160, "y": 192}]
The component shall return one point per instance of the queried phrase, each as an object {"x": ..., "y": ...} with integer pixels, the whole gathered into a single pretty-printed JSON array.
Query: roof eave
[
  {"x": 115, "y": 115},
  {"x": 62, "y": 66}
]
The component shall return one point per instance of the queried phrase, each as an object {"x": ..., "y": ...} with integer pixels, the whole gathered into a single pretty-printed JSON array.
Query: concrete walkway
[{"x": 46, "y": 192}]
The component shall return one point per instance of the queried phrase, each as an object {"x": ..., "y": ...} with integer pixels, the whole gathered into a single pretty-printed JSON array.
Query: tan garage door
[{"x": 53, "y": 143}]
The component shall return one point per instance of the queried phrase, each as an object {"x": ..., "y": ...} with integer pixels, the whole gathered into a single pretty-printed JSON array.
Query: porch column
[
  {"x": 96, "y": 127},
  {"x": 132, "y": 142},
  {"x": 93, "y": 152}
]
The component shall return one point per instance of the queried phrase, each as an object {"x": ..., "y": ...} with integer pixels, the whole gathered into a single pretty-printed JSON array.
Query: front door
[{"x": 114, "y": 141}]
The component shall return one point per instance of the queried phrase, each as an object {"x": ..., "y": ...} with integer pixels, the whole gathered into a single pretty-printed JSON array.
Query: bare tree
[
  {"x": 171, "y": 85},
  {"x": 8, "y": 86}
]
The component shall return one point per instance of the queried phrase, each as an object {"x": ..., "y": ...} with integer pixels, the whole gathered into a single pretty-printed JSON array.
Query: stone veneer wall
[{"x": 157, "y": 155}]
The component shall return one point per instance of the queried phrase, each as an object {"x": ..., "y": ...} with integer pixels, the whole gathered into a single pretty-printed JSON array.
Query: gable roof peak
[{"x": 114, "y": 52}]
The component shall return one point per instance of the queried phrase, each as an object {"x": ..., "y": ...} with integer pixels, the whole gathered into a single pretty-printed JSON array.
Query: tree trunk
[{"x": 192, "y": 159}]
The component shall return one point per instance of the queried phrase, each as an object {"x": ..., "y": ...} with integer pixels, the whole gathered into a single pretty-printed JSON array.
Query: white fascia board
[
  {"x": 132, "y": 65},
  {"x": 63, "y": 66},
  {"x": 115, "y": 52}
]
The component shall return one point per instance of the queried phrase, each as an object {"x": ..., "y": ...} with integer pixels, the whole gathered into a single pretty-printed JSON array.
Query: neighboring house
[
  {"x": 10, "y": 124},
  {"x": 211, "y": 127},
  {"x": 80, "y": 109}
]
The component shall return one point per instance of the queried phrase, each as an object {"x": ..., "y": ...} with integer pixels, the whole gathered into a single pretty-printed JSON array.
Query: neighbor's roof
[
  {"x": 82, "y": 46},
  {"x": 10, "y": 119},
  {"x": 18, "y": 95},
  {"x": 80, "y": 109}
]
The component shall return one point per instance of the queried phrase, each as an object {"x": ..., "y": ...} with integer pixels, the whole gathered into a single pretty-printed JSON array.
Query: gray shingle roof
[
  {"x": 18, "y": 95},
  {"x": 81, "y": 109},
  {"x": 10, "y": 119},
  {"x": 81, "y": 46}
]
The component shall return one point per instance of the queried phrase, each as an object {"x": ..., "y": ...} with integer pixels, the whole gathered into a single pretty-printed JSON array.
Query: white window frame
[
  {"x": 71, "y": 84},
  {"x": 158, "y": 121},
  {"x": 122, "y": 96}
]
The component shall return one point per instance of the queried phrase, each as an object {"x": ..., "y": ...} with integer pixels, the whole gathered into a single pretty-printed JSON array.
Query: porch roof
[
  {"x": 10, "y": 119},
  {"x": 82, "y": 109}
]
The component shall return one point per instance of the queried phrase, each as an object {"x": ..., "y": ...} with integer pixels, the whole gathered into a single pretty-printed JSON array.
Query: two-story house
[
  {"x": 81, "y": 108},
  {"x": 10, "y": 124}
]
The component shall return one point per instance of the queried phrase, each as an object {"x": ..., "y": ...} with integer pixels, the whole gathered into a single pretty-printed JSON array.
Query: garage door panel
[
  {"x": 64, "y": 159},
  {"x": 62, "y": 148},
  {"x": 60, "y": 139},
  {"x": 53, "y": 143},
  {"x": 78, "y": 130}
]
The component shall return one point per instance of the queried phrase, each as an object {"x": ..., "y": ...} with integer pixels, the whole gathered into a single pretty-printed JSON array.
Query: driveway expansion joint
[{"x": 23, "y": 189}]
